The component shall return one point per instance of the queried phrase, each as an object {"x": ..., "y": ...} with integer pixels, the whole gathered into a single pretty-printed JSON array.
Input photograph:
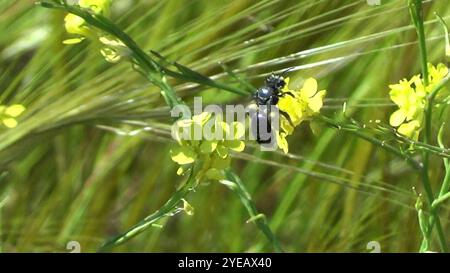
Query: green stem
[
  {"x": 169, "y": 207},
  {"x": 416, "y": 11},
  {"x": 234, "y": 183},
  {"x": 434, "y": 218},
  {"x": 104, "y": 24},
  {"x": 446, "y": 183},
  {"x": 440, "y": 199},
  {"x": 359, "y": 132},
  {"x": 443, "y": 193}
]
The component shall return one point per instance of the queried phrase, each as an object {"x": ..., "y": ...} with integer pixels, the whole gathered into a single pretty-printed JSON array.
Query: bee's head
[{"x": 275, "y": 81}]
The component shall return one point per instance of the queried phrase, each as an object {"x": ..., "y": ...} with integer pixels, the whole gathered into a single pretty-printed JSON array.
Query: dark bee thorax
[{"x": 265, "y": 97}]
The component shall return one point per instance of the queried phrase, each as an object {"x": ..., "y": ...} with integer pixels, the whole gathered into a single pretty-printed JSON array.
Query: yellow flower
[
  {"x": 311, "y": 97},
  {"x": 183, "y": 155},
  {"x": 77, "y": 25},
  {"x": 411, "y": 102},
  {"x": 411, "y": 97},
  {"x": 437, "y": 73},
  {"x": 282, "y": 142},
  {"x": 114, "y": 49},
  {"x": 9, "y": 113},
  {"x": 213, "y": 155},
  {"x": 299, "y": 105},
  {"x": 287, "y": 127},
  {"x": 410, "y": 129},
  {"x": 293, "y": 107}
]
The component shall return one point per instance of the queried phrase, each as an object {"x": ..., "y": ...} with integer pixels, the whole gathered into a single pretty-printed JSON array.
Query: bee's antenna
[{"x": 287, "y": 70}]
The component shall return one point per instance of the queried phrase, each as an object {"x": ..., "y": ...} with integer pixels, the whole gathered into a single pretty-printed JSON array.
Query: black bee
[
  {"x": 267, "y": 96},
  {"x": 270, "y": 93}
]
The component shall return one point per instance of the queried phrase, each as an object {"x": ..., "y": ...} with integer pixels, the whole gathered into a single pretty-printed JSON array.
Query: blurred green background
[{"x": 89, "y": 158}]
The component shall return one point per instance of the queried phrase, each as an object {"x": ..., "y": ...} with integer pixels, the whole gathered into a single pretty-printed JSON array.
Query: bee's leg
[
  {"x": 286, "y": 115},
  {"x": 280, "y": 95},
  {"x": 258, "y": 138},
  {"x": 269, "y": 119},
  {"x": 266, "y": 115},
  {"x": 258, "y": 132},
  {"x": 268, "y": 122}
]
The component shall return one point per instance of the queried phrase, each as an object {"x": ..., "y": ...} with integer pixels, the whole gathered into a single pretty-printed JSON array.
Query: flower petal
[
  {"x": 437, "y": 73},
  {"x": 15, "y": 110},
  {"x": 282, "y": 142},
  {"x": 397, "y": 118},
  {"x": 309, "y": 87},
  {"x": 315, "y": 103},
  {"x": 286, "y": 86},
  {"x": 410, "y": 129},
  {"x": 111, "y": 56},
  {"x": 10, "y": 122},
  {"x": 73, "y": 41},
  {"x": 182, "y": 169},
  {"x": 202, "y": 118},
  {"x": 292, "y": 107},
  {"x": 75, "y": 25},
  {"x": 183, "y": 155},
  {"x": 236, "y": 145},
  {"x": 286, "y": 126}
]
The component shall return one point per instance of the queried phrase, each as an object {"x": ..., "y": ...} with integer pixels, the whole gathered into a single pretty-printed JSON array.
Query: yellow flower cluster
[
  {"x": 411, "y": 96},
  {"x": 9, "y": 113},
  {"x": 213, "y": 155},
  {"x": 77, "y": 25},
  {"x": 300, "y": 105},
  {"x": 113, "y": 49}
]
